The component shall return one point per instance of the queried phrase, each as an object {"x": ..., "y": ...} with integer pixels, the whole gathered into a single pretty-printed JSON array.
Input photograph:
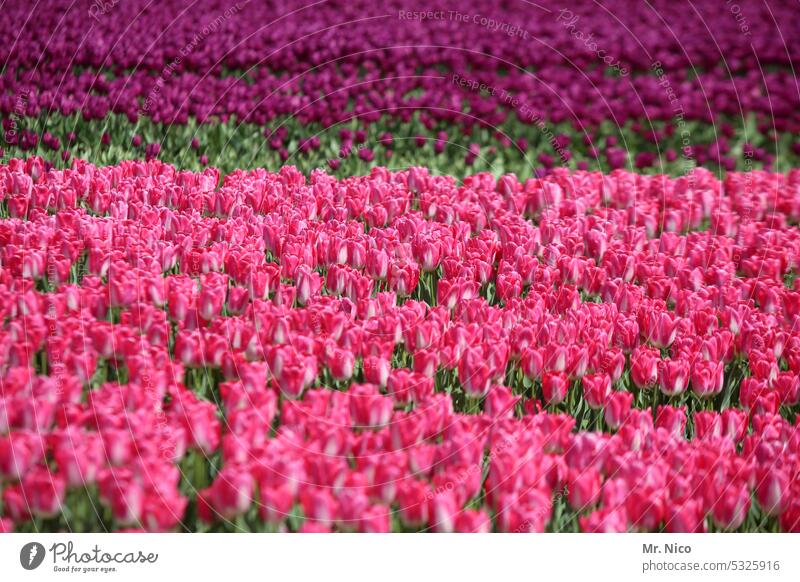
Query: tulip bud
[
  {"x": 673, "y": 376},
  {"x": 772, "y": 489},
  {"x": 596, "y": 388},
  {"x": 500, "y": 402},
  {"x": 731, "y": 505},
  {"x": 707, "y": 425},
  {"x": 617, "y": 408},
  {"x": 554, "y": 388},
  {"x": 671, "y": 419},
  {"x": 707, "y": 378},
  {"x": 644, "y": 368}
]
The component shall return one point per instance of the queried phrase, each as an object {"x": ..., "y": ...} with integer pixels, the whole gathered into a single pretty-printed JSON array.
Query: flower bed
[
  {"x": 399, "y": 351},
  {"x": 516, "y": 86}
]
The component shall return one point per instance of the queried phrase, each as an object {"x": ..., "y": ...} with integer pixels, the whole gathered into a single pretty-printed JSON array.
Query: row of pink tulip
[{"x": 398, "y": 350}]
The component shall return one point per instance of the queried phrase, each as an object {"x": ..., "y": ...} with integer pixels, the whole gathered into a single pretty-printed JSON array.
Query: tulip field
[
  {"x": 513, "y": 86},
  {"x": 398, "y": 351},
  {"x": 259, "y": 273}
]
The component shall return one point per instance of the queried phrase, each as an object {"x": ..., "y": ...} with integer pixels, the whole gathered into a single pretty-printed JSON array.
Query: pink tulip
[
  {"x": 684, "y": 517},
  {"x": 707, "y": 378},
  {"x": 731, "y": 505},
  {"x": 604, "y": 521},
  {"x": 584, "y": 488},
  {"x": 673, "y": 376},
  {"x": 413, "y": 505},
  {"x": 500, "y": 402},
  {"x": 229, "y": 496},
  {"x": 276, "y": 504},
  {"x": 474, "y": 373},
  {"x": 596, "y": 388},
  {"x": 617, "y": 408},
  {"x": 405, "y": 387},
  {"x": 368, "y": 408},
  {"x": 644, "y": 368},
  {"x": 376, "y": 370},
  {"x": 672, "y": 419},
  {"x": 44, "y": 492},
  {"x": 473, "y": 521},
  {"x": 444, "y": 512},
  {"x": 554, "y": 387},
  {"x": 707, "y": 425},
  {"x": 18, "y": 452},
  {"x": 772, "y": 490},
  {"x": 734, "y": 423}
]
